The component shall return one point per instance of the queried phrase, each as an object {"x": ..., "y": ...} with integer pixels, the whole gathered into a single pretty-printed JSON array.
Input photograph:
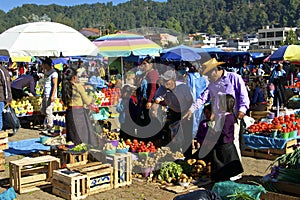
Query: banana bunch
[
  {"x": 110, "y": 135},
  {"x": 122, "y": 145},
  {"x": 109, "y": 146}
]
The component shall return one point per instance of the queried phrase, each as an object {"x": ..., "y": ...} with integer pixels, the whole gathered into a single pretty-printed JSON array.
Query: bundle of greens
[
  {"x": 288, "y": 168},
  {"x": 290, "y": 160},
  {"x": 170, "y": 171}
]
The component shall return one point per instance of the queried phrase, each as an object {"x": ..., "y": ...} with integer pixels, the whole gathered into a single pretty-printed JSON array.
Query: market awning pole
[
  {"x": 277, "y": 106},
  {"x": 122, "y": 72}
]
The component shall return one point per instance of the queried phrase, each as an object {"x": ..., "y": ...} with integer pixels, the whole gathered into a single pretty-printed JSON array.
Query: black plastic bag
[
  {"x": 10, "y": 119},
  {"x": 199, "y": 195}
]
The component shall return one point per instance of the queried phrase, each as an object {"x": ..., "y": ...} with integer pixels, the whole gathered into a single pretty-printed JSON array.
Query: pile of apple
[{"x": 136, "y": 146}]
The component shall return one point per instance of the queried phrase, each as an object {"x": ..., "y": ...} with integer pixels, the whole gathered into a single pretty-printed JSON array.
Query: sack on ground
[{"x": 10, "y": 119}]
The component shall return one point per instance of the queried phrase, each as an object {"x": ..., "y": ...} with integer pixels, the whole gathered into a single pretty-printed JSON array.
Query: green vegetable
[
  {"x": 80, "y": 147},
  {"x": 290, "y": 160},
  {"x": 169, "y": 170},
  {"x": 240, "y": 195}
]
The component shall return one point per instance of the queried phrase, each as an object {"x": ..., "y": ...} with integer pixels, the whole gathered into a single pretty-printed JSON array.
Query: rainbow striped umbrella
[
  {"x": 125, "y": 44},
  {"x": 288, "y": 52}
]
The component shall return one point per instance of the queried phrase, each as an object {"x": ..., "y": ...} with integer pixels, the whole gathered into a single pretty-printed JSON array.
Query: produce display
[
  {"x": 32, "y": 105},
  {"x": 183, "y": 178},
  {"x": 107, "y": 97},
  {"x": 168, "y": 167},
  {"x": 140, "y": 146},
  {"x": 287, "y": 126},
  {"x": 122, "y": 145},
  {"x": 109, "y": 146},
  {"x": 110, "y": 135},
  {"x": 194, "y": 167},
  {"x": 169, "y": 171},
  {"x": 285, "y": 168},
  {"x": 79, "y": 148}
]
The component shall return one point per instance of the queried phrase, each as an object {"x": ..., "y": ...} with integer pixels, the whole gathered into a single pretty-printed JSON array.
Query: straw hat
[{"x": 210, "y": 65}]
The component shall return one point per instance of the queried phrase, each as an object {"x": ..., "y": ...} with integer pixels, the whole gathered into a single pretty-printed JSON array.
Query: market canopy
[
  {"x": 289, "y": 53},
  {"x": 45, "y": 39},
  {"x": 197, "y": 50},
  {"x": 181, "y": 53},
  {"x": 126, "y": 44}
]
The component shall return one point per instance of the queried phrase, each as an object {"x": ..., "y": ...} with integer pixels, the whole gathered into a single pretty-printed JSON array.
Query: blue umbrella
[
  {"x": 181, "y": 53},
  {"x": 278, "y": 54},
  {"x": 60, "y": 61},
  {"x": 288, "y": 52},
  {"x": 197, "y": 50}
]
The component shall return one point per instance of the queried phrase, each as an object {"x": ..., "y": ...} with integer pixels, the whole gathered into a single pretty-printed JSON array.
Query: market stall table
[{"x": 267, "y": 147}]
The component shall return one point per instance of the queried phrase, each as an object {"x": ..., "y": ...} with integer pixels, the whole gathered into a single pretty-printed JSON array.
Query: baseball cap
[{"x": 169, "y": 75}]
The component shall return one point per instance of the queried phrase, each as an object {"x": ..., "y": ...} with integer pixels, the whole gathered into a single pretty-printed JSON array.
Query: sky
[{"x": 7, "y": 5}]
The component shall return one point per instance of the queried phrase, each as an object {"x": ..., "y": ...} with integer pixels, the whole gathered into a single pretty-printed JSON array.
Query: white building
[
  {"x": 239, "y": 44},
  {"x": 272, "y": 37}
]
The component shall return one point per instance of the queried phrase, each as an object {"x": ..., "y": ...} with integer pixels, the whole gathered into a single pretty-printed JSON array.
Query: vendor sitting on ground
[{"x": 22, "y": 84}]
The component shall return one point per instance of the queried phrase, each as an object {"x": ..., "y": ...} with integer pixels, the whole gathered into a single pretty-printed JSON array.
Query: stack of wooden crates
[
  {"x": 3, "y": 146},
  {"x": 77, "y": 182}
]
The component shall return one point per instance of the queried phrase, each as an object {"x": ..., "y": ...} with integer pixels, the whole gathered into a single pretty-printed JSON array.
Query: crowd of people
[{"x": 169, "y": 106}]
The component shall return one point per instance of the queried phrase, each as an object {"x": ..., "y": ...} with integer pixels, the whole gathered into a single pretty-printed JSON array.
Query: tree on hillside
[
  {"x": 291, "y": 38},
  {"x": 173, "y": 24}
]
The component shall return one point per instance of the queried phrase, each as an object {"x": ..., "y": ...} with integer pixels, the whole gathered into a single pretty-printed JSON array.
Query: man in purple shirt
[
  {"x": 222, "y": 82},
  {"x": 23, "y": 82}
]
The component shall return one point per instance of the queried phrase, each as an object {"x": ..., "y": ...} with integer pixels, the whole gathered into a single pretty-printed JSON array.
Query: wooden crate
[
  {"x": 3, "y": 140},
  {"x": 277, "y": 196},
  {"x": 289, "y": 188},
  {"x": 257, "y": 115},
  {"x": 122, "y": 164},
  {"x": 69, "y": 184},
  {"x": 30, "y": 174},
  {"x": 96, "y": 155},
  {"x": 74, "y": 158},
  {"x": 2, "y": 161},
  {"x": 99, "y": 176},
  {"x": 269, "y": 154}
]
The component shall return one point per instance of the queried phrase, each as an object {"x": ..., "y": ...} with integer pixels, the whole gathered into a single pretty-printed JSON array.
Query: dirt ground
[{"x": 139, "y": 190}]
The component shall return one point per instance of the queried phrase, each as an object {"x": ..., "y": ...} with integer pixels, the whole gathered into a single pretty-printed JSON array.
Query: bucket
[
  {"x": 293, "y": 134},
  {"x": 271, "y": 115},
  {"x": 285, "y": 135},
  {"x": 146, "y": 171}
]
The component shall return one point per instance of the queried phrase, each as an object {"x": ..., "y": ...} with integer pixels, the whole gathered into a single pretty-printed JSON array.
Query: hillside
[{"x": 224, "y": 17}]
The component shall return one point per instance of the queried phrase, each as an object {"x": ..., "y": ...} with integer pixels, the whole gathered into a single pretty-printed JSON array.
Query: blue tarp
[
  {"x": 25, "y": 147},
  {"x": 255, "y": 55},
  {"x": 4, "y": 58},
  {"x": 262, "y": 142}
]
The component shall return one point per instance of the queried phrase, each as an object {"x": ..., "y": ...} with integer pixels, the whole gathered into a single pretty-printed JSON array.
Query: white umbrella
[{"x": 45, "y": 39}]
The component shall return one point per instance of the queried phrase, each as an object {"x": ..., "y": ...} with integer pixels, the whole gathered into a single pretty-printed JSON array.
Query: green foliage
[
  {"x": 169, "y": 171},
  {"x": 291, "y": 38},
  {"x": 228, "y": 17}
]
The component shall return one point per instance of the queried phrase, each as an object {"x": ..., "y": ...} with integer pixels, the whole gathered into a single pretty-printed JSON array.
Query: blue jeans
[{"x": 2, "y": 104}]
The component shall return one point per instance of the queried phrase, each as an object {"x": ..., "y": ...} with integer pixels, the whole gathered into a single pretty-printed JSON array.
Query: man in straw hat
[{"x": 223, "y": 82}]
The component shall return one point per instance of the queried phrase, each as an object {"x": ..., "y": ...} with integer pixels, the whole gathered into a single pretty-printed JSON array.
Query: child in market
[
  {"x": 203, "y": 125},
  {"x": 127, "y": 108},
  {"x": 224, "y": 158}
]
